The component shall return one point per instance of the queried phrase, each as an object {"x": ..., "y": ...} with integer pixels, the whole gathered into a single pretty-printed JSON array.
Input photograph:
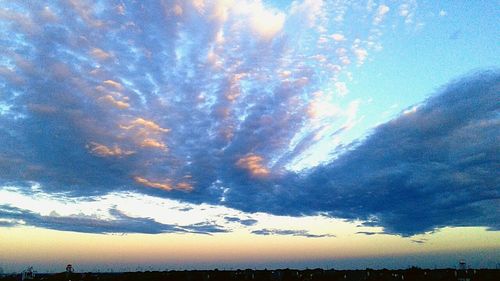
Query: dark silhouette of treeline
[{"x": 277, "y": 275}]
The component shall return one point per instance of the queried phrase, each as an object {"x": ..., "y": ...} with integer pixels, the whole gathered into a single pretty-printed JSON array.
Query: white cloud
[
  {"x": 407, "y": 10},
  {"x": 341, "y": 88},
  {"x": 161, "y": 210},
  {"x": 263, "y": 21},
  {"x": 338, "y": 37},
  {"x": 381, "y": 12},
  {"x": 308, "y": 9},
  {"x": 361, "y": 55},
  {"x": 267, "y": 23}
]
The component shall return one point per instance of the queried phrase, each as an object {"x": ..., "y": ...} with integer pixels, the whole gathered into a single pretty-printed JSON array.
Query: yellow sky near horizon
[
  {"x": 31, "y": 245},
  {"x": 25, "y": 244}
]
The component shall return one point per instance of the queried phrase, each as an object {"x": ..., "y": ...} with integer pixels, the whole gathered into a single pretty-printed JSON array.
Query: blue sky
[{"x": 227, "y": 117}]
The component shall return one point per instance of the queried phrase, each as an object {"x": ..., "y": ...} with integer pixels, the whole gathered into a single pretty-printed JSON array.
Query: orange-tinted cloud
[
  {"x": 153, "y": 144},
  {"x": 109, "y": 99},
  {"x": 178, "y": 10},
  {"x": 146, "y": 124},
  {"x": 146, "y": 133},
  {"x": 86, "y": 12},
  {"x": 184, "y": 186},
  {"x": 165, "y": 185},
  {"x": 234, "y": 87},
  {"x": 253, "y": 164},
  {"x": 113, "y": 84},
  {"x": 100, "y": 54},
  {"x": 106, "y": 151}
]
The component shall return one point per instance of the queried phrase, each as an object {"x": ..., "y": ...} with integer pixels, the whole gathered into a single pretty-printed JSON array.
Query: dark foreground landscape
[{"x": 281, "y": 275}]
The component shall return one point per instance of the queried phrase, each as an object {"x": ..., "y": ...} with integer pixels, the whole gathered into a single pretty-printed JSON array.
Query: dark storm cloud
[{"x": 120, "y": 96}]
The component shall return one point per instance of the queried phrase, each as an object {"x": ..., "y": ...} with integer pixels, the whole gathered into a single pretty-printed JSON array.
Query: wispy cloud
[
  {"x": 247, "y": 222},
  {"x": 113, "y": 221},
  {"x": 369, "y": 233},
  {"x": 382, "y": 10},
  {"x": 120, "y": 223},
  {"x": 301, "y": 233}
]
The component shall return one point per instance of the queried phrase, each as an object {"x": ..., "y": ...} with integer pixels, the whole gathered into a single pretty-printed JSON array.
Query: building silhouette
[{"x": 28, "y": 274}]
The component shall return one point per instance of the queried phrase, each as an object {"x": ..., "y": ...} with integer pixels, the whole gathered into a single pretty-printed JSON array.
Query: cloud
[
  {"x": 308, "y": 10},
  {"x": 338, "y": 37},
  {"x": 432, "y": 166},
  {"x": 93, "y": 109},
  {"x": 253, "y": 163},
  {"x": 105, "y": 151},
  {"x": 341, "y": 88},
  {"x": 165, "y": 185},
  {"x": 369, "y": 233},
  {"x": 205, "y": 228},
  {"x": 407, "y": 11},
  {"x": 113, "y": 84},
  {"x": 301, "y": 233},
  {"x": 380, "y": 14},
  {"x": 109, "y": 99},
  {"x": 119, "y": 223},
  {"x": 89, "y": 224},
  {"x": 100, "y": 54},
  {"x": 7, "y": 223},
  {"x": 246, "y": 222},
  {"x": 419, "y": 241},
  {"x": 361, "y": 55},
  {"x": 145, "y": 127},
  {"x": 264, "y": 22}
]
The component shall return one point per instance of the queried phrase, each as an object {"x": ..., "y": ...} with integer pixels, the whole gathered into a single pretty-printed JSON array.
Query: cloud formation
[
  {"x": 123, "y": 96},
  {"x": 433, "y": 166},
  {"x": 302, "y": 233},
  {"x": 126, "y": 96},
  {"x": 369, "y": 233},
  {"x": 120, "y": 223},
  {"x": 247, "y": 222}
]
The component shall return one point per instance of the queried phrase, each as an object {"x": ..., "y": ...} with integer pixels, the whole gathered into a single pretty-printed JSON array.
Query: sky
[{"x": 198, "y": 134}]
